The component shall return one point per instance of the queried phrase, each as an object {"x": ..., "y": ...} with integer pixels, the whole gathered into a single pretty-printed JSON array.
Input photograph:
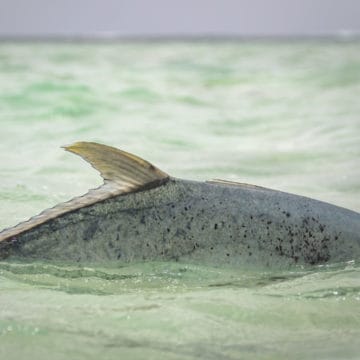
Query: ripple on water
[{"x": 281, "y": 115}]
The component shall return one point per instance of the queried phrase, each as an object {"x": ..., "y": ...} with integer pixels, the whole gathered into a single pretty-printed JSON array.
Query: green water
[{"x": 281, "y": 115}]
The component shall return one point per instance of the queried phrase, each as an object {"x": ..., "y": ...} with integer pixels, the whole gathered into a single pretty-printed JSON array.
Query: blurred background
[
  {"x": 264, "y": 92},
  {"x": 166, "y": 18}
]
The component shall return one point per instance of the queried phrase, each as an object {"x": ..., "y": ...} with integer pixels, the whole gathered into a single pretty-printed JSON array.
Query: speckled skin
[{"x": 197, "y": 222}]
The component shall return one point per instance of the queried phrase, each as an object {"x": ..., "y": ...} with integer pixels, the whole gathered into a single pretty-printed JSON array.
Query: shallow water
[
  {"x": 178, "y": 311},
  {"x": 281, "y": 115}
]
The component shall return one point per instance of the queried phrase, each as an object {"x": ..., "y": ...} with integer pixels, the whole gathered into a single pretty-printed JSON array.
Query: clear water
[{"x": 281, "y": 115}]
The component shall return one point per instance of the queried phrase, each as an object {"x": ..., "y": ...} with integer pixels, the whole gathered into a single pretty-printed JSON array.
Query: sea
[{"x": 283, "y": 114}]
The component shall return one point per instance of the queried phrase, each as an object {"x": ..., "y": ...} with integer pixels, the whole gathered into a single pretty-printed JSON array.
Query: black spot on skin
[
  {"x": 251, "y": 217},
  {"x": 185, "y": 208},
  {"x": 325, "y": 240},
  {"x": 119, "y": 255},
  {"x": 53, "y": 226},
  {"x": 228, "y": 254},
  {"x": 211, "y": 248},
  {"x": 250, "y": 253},
  {"x": 147, "y": 244},
  {"x": 287, "y": 214},
  {"x": 90, "y": 231},
  {"x": 269, "y": 222},
  {"x": 142, "y": 220},
  {"x": 180, "y": 233},
  {"x": 215, "y": 226},
  {"x": 336, "y": 237},
  {"x": 117, "y": 237},
  {"x": 168, "y": 230}
]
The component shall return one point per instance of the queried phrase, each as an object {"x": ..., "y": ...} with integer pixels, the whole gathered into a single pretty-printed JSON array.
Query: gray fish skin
[{"x": 197, "y": 222}]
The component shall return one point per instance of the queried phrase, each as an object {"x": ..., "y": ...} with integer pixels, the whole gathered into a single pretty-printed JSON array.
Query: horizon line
[{"x": 113, "y": 36}]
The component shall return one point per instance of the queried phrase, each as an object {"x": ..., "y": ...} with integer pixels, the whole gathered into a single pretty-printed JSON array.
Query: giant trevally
[{"x": 141, "y": 213}]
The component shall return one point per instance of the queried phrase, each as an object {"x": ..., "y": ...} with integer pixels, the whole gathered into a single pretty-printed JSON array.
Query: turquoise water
[{"x": 281, "y": 115}]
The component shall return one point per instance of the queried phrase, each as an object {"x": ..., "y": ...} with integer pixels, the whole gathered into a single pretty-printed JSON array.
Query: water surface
[{"x": 281, "y": 115}]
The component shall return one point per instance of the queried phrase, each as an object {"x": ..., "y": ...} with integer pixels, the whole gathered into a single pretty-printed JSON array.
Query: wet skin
[{"x": 208, "y": 223}]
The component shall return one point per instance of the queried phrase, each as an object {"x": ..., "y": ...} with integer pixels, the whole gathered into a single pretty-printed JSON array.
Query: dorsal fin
[
  {"x": 126, "y": 171},
  {"x": 235, "y": 183},
  {"x": 122, "y": 173}
]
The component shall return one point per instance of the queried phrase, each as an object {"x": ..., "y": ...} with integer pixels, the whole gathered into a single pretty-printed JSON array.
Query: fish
[{"x": 141, "y": 213}]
